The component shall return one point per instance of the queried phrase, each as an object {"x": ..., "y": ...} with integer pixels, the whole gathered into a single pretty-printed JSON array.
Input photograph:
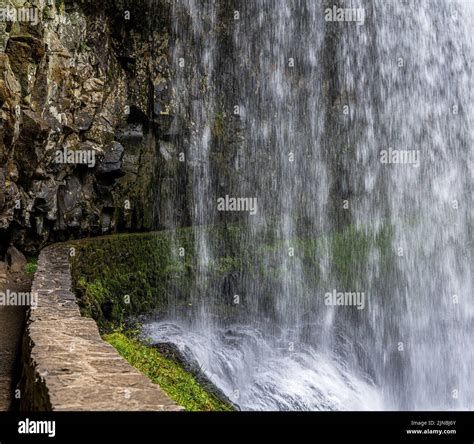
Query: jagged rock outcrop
[{"x": 84, "y": 101}]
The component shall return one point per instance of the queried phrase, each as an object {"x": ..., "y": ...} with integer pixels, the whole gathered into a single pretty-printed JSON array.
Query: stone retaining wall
[{"x": 66, "y": 364}]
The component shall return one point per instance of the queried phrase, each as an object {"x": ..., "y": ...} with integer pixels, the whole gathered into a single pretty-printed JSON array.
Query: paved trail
[{"x": 11, "y": 330}]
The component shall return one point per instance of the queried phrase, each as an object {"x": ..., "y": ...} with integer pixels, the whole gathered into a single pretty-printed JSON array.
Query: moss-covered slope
[{"x": 178, "y": 384}]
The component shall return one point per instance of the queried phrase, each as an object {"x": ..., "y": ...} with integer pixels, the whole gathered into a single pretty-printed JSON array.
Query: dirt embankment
[{"x": 12, "y": 320}]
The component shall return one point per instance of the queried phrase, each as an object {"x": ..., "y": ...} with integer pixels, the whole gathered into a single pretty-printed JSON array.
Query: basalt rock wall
[{"x": 84, "y": 119}]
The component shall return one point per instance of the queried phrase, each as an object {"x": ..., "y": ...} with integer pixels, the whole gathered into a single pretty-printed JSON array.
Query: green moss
[
  {"x": 176, "y": 382},
  {"x": 61, "y": 6},
  {"x": 124, "y": 275},
  {"x": 132, "y": 274},
  {"x": 31, "y": 266},
  {"x": 93, "y": 295},
  {"x": 83, "y": 47},
  {"x": 218, "y": 127}
]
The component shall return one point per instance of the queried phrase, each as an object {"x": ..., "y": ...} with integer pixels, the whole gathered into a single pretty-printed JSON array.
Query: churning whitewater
[{"x": 355, "y": 138}]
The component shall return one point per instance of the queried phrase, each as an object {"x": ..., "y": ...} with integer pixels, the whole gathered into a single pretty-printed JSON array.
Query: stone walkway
[
  {"x": 69, "y": 366},
  {"x": 11, "y": 331}
]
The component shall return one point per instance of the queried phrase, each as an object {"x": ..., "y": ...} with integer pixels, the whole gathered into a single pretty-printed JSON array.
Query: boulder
[
  {"x": 16, "y": 260},
  {"x": 83, "y": 119},
  {"x": 112, "y": 161}
]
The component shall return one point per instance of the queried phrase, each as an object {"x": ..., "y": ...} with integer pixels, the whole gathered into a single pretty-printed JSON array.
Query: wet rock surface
[{"x": 86, "y": 75}]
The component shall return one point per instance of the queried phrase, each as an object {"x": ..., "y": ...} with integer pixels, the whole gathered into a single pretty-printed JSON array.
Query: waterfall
[{"x": 354, "y": 137}]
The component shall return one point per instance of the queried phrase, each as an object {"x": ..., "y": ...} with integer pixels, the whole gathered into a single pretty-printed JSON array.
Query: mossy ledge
[{"x": 119, "y": 276}]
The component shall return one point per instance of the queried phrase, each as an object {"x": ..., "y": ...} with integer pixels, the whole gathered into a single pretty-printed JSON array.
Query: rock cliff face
[{"x": 85, "y": 121}]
